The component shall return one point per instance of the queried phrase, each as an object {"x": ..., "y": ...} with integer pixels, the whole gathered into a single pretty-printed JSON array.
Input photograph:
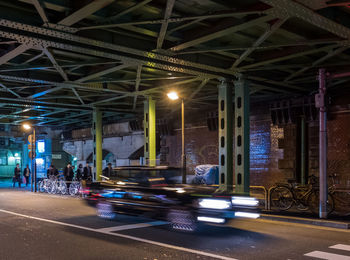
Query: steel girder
[
  {"x": 63, "y": 40},
  {"x": 164, "y": 26},
  {"x": 14, "y": 53},
  {"x": 222, "y": 32},
  {"x": 294, "y": 9}
]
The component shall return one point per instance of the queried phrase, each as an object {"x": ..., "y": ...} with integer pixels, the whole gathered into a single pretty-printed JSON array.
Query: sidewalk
[
  {"x": 340, "y": 222},
  {"x": 8, "y": 184}
]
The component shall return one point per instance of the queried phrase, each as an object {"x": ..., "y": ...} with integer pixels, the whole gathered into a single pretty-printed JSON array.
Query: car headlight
[
  {"x": 214, "y": 204},
  {"x": 244, "y": 201}
]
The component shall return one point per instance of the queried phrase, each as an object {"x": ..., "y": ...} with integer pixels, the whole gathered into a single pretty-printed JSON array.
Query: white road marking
[
  {"x": 329, "y": 256},
  {"x": 341, "y": 247},
  {"x": 132, "y": 226},
  {"x": 193, "y": 251}
]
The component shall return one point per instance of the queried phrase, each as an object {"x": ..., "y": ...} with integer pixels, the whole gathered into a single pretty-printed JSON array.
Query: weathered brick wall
[
  {"x": 202, "y": 147},
  {"x": 273, "y": 148},
  {"x": 339, "y": 147}
]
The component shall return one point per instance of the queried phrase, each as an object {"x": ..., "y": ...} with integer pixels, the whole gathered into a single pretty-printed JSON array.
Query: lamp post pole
[{"x": 183, "y": 154}]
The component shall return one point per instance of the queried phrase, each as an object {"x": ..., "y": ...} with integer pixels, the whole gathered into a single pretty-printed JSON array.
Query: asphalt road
[{"x": 41, "y": 226}]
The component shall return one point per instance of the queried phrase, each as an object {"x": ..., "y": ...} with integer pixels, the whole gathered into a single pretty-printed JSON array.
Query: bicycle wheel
[
  {"x": 281, "y": 198},
  {"x": 52, "y": 187},
  {"x": 41, "y": 186},
  {"x": 74, "y": 189},
  {"x": 314, "y": 202},
  {"x": 62, "y": 187}
]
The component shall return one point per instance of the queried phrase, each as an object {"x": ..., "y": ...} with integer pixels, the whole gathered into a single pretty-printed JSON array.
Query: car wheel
[
  {"x": 182, "y": 220},
  {"x": 105, "y": 210}
]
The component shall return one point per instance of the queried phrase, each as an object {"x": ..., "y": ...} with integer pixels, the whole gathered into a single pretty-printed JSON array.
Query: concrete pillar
[
  {"x": 150, "y": 132},
  {"x": 97, "y": 143},
  {"x": 225, "y": 137},
  {"x": 242, "y": 137}
]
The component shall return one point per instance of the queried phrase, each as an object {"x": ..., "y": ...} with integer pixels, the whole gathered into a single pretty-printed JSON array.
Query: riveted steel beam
[
  {"x": 84, "y": 12},
  {"x": 193, "y": 19},
  {"x": 259, "y": 41},
  {"x": 128, "y": 10},
  {"x": 225, "y": 136},
  {"x": 42, "y": 93},
  {"x": 295, "y": 9},
  {"x": 39, "y": 6},
  {"x": 164, "y": 26},
  {"x": 104, "y": 72},
  {"x": 242, "y": 137},
  {"x": 330, "y": 54},
  {"x": 9, "y": 90},
  {"x": 287, "y": 57},
  {"x": 55, "y": 64},
  {"x": 14, "y": 53},
  {"x": 221, "y": 33},
  {"x": 137, "y": 84},
  {"x": 107, "y": 50}
]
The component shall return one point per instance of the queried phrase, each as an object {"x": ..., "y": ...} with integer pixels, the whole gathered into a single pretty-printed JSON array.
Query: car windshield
[{"x": 154, "y": 176}]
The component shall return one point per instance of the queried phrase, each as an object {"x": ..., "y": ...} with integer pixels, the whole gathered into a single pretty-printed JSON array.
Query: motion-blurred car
[{"x": 154, "y": 192}]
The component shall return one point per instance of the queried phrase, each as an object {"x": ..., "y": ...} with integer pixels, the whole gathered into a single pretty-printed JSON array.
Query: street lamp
[
  {"x": 28, "y": 127},
  {"x": 174, "y": 96}
]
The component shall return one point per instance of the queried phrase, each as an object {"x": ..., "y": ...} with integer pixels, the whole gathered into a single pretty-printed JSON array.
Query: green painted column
[
  {"x": 150, "y": 132},
  {"x": 97, "y": 143},
  {"x": 242, "y": 137},
  {"x": 225, "y": 137}
]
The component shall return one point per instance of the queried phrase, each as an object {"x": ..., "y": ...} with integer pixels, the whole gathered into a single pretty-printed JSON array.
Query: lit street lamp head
[
  {"x": 173, "y": 95},
  {"x": 27, "y": 126}
]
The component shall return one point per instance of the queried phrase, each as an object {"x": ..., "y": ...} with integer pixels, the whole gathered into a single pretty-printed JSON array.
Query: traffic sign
[
  {"x": 31, "y": 155},
  {"x": 30, "y": 139}
]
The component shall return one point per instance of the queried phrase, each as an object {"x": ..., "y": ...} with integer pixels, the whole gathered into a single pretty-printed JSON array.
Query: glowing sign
[{"x": 41, "y": 147}]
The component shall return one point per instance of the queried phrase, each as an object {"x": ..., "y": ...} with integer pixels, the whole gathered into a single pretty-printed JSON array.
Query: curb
[{"x": 308, "y": 221}]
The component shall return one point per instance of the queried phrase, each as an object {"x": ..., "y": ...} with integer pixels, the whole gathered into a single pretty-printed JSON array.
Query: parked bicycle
[
  {"x": 75, "y": 186},
  {"x": 58, "y": 186},
  {"x": 340, "y": 193},
  {"x": 284, "y": 195}
]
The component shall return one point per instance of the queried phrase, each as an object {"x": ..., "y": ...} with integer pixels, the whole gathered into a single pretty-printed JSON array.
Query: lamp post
[
  {"x": 28, "y": 127},
  {"x": 173, "y": 96}
]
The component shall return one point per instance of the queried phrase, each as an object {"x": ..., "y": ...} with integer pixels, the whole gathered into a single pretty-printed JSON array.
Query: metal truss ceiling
[{"x": 59, "y": 59}]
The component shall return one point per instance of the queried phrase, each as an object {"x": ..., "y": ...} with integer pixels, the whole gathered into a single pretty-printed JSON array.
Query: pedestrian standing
[
  {"x": 108, "y": 171},
  {"x": 87, "y": 173},
  {"x": 68, "y": 174},
  {"x": 17, "y": 176},
  {"x": 26, "y": 174},
  {"x": 80, "y": 172}
]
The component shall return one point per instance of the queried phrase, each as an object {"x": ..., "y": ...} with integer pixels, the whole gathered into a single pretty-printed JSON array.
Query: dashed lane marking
[
  {"x": 132, "y": 226},
  {"x": 341, "y": 247},
  {"x": 326, "y": 255},
  {"x": 188, "y": 250}
]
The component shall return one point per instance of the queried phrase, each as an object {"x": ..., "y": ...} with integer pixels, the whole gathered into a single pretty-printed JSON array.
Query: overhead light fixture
[{"x": 173, "y": 95}]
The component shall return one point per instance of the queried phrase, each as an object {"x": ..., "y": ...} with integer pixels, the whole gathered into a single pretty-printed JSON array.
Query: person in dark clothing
[
  {"x": 52, "y": 172},
  {"x": 26, "y": 174},
  {"x": 68, "y": 174},
  {"x": 80, "y": 172},
  {"x": 108, "y": 171},
  {"x": 87, "y": 173},
  {"x": 17, "y": 176}
]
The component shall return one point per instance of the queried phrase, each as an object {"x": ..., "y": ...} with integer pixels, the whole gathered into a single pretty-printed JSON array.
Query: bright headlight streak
[
  {"x": 212, "y": 220},
  {"x": 244, "y": 201},
  {"x": 246, "y": 214},
  {"x": 214, "y": 204}
]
